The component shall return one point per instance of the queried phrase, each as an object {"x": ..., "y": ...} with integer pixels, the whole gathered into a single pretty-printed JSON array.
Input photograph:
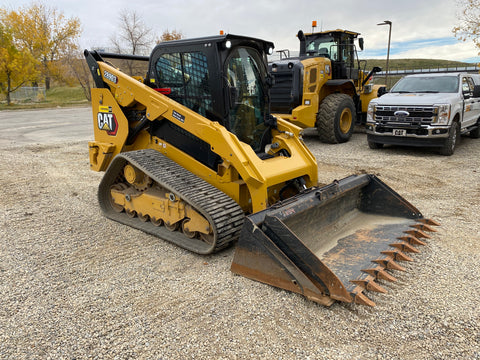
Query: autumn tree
[
  {"x": 46, "y": 34},
  {"x": 170, "y": 35},
  {"x": 17, "y": 67},
  {"x": 469, "y": 27}
]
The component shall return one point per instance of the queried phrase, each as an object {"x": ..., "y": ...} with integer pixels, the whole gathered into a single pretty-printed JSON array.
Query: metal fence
[
  {"x": 28, "y": 94},
  {"x": 396, "y": 74},
  {"x": 432, "y": 69}
]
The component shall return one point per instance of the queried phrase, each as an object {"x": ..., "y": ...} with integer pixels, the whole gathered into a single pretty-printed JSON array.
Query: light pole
[{"x": 389, "y": 23}]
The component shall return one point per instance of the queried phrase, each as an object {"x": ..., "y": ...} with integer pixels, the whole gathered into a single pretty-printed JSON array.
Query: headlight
[
  {"x": 370, "y": 112},
  {"x": 443, "y": 114}
]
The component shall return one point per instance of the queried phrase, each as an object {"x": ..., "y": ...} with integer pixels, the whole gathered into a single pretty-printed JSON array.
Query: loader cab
[
  {"x": 223, "y": 78},
  {"x": 336, "y": 45}
]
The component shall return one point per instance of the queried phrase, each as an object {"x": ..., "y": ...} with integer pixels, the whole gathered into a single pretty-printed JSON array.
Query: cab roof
[
  {"x": 215, "y": 39},
  {"x": 326, "y": 32}
]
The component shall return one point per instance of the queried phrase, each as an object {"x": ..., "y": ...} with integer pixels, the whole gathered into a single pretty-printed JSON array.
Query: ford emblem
[{"x": 401, "y": 113}]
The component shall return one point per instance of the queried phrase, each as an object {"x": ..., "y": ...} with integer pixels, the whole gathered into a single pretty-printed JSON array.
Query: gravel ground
[{"x": 77, "y": 286}]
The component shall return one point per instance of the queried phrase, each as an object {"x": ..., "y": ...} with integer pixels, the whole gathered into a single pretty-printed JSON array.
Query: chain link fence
[{"x": 28, "y": 94}]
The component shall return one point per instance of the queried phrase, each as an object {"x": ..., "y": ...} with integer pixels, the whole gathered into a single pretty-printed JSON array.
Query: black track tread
[
  {"x": 325, "y": 123},
  {"x": 223, "y": 213}
]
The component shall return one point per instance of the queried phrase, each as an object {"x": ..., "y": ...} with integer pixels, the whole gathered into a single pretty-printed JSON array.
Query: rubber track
[{"x": 223, "y": 213}]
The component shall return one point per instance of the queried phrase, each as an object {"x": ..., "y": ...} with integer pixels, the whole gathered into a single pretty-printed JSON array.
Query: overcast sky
[{"x": 420, "y": 29}]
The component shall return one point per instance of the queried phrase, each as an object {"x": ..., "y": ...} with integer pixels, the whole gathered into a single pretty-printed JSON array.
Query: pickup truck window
[
  {"x": 428, "y": 84},
  {"x": 467, "y": 86}
]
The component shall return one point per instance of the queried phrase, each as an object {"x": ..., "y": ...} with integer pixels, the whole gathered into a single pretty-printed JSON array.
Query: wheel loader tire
[
  {"x": 336, "y": 119},
  {"x": 453, "y": 137}
]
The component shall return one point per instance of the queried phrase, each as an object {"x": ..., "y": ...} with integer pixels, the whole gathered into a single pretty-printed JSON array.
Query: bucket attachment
[{"x": 332, "y": 243}]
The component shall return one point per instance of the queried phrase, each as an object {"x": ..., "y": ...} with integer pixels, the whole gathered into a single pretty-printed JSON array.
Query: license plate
[{"x": 399, "y": 132}]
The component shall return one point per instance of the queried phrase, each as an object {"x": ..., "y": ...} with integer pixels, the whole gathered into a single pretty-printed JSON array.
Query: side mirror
[
  {"x": 376, "y": 69},
  {"x": 382, "y": 91},
  {"x": 476, "y": 91},
  {"x": 360, "y": 43}
]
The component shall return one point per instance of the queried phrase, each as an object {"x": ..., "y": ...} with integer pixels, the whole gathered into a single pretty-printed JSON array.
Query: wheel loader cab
[
  {"x": 338, "y": 46},
  {"x": 223, "y": 78}
]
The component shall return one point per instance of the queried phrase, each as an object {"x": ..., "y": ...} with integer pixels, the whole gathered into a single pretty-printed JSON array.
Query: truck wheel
[
  {"x": 453, "y": 137},
  {"x": 336, "y": 119},
  {"x": 375, "y": 145},
  {"x": 475, "y": 134}
]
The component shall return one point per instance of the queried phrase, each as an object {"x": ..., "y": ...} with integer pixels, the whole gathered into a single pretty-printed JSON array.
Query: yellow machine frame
[{"x": 252, "y": 182}]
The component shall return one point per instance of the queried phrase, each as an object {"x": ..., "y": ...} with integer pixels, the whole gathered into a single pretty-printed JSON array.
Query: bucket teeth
[
  {"x": 423, "y": 227},
  {"x": 428, "y": 222},
  {"x": 369, "y": 284},
  {"x": 380, "y": 273},
  {"x": 362, "y": 299},
  {"x": 388, "y": 263},
  {"x": 405, "y": 247},
  {"x": 412, "y": 240},
  {"x": 417, "y": 233},
  {"x": 397, "y": 255}
]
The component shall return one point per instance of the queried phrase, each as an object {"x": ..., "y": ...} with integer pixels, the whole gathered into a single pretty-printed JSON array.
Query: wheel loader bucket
[{"x": 331, "y": 243}]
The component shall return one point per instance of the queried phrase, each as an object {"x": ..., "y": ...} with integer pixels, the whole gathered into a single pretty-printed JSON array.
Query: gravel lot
[{"x": 77, "y": 286}]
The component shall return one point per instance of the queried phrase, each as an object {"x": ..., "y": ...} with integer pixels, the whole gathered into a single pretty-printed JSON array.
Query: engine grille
[
  {"x": 281, "y": 92},
  {"x": 417, "y": 115}
]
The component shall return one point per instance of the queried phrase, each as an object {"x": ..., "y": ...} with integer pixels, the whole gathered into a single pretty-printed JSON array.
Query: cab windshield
[
  {"x": 325, "y": 46},
  {"x": 246, "y": 75},
  {"x": 426, "y": 84}
]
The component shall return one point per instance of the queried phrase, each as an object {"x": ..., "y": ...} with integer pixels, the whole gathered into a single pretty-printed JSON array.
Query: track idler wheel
[
  {"x": 156, "y": 222},
  {"x": 131, "y": 213},
  {"x": 143, "y": 218},
  {"x": 188, "y": 233},
  {"x": 172, "y": 226}
]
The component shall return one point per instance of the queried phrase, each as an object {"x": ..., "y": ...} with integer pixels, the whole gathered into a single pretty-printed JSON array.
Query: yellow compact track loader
[
  {"x": 326, "y": 86},
  {"x": 192, "y": 155}
]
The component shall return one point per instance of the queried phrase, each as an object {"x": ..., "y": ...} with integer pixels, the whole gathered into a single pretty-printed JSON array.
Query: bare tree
[
  {"x": 76, "y": 70},
  {"x": 133, "y": 37}
]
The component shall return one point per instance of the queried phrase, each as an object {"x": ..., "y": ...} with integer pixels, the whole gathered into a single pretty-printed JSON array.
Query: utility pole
[{"x": 389, "y": 23}]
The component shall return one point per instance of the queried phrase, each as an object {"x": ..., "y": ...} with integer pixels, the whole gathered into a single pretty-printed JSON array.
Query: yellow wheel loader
[
  {"x": 192, "y": 155},
  {"x": 326, "y": 86}
]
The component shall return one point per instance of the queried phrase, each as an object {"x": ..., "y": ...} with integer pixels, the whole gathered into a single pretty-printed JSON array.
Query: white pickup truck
[{"x": 430, "y": 110}]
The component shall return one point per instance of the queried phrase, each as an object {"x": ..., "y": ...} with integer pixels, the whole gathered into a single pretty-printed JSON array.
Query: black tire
[
  {"x": 453, "y": 138},
  {"x": 475, "y": 134},
  {"x": 336, "y": 119},
  {"x": 375, "y": 145}
]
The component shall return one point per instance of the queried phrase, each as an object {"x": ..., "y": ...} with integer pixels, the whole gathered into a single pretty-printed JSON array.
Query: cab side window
[{"x": 184, "y": 77}]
